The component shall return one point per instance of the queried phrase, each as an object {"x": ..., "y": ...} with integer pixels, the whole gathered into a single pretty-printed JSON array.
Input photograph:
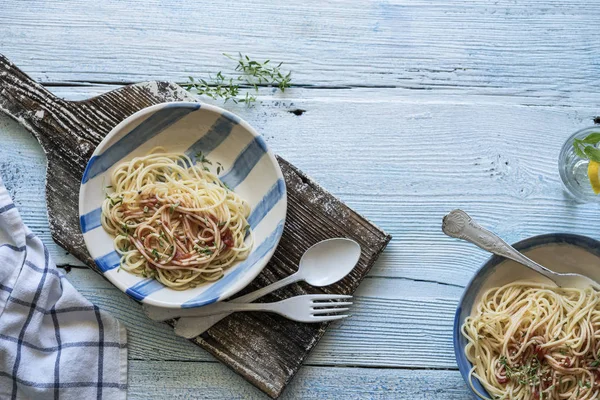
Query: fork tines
[{"x": 323, "y": 305}]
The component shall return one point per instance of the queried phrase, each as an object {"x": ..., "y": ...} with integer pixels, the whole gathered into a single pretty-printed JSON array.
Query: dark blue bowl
[{"x": 560, "y": 252}]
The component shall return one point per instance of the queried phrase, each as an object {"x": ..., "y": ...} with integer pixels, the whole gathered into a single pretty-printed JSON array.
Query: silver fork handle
[{"x": 460, "y": 225}]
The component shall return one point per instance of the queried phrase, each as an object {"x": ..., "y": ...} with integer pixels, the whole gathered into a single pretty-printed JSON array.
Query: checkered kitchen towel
[{"x": 54, "y": 344}]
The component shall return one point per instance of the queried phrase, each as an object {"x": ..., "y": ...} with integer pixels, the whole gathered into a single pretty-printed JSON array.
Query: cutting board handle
[
  {"x": 27, "y": 101},
  {"x": 19, "y": 93}
]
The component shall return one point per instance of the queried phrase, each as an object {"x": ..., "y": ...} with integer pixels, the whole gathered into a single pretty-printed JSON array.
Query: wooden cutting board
[{"x": 265, "y": 349}]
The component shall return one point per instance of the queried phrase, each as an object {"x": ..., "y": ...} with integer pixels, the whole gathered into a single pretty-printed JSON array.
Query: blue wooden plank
[{"x": 178, "y": 380}]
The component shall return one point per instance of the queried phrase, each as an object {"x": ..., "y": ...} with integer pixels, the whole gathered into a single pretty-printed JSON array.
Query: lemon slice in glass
[{"x": 593, "y": 168}]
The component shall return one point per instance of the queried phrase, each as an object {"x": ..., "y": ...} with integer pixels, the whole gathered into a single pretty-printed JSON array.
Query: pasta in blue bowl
[
  {"x": 518, "y": 336},
  {"x": 182, "y": 204}
]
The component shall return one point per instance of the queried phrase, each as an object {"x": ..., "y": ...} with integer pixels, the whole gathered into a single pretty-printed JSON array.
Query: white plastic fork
[{"x": 307, "y": 308}]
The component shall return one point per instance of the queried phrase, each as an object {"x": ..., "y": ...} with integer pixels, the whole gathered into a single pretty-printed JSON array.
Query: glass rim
[{"x": 581, "y": 131}]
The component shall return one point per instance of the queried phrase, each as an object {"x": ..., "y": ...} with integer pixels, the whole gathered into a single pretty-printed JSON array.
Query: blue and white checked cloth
[{"x": 54, "y": 344}]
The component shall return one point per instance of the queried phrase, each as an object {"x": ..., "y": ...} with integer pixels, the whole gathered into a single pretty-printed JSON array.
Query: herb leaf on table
[{"x": 252, "y": 73}]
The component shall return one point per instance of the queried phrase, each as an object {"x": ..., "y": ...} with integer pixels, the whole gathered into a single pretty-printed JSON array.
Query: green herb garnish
[
  {"x": 586, "y": 148},
  {"x": 252, "y": 73},
  {"x": 217, "y": 87},
  {"x": 257, "y": 73},
  {"x": 528, "y": 373},
  {"x": 201, "y": 158}
]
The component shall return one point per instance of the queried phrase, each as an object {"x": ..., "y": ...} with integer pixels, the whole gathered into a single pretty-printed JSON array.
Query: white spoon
[{"x": 323, "y": 264}]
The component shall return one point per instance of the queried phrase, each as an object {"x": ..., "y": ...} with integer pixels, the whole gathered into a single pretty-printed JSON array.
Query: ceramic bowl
[
  {"x": 249, "y": 168},
  {"x": 559, "y": 252}
]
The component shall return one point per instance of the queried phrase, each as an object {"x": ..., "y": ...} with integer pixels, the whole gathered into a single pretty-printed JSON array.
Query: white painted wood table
[{"x": 408, "y": 109}]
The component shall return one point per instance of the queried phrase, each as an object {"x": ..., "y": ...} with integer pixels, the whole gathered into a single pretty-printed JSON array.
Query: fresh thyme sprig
[
  {"x": 586, "y": 147},
  {"x": 218, "y": 87},
  {"x": 257, "y": 73},
  {"x": 253, "y": 73}
]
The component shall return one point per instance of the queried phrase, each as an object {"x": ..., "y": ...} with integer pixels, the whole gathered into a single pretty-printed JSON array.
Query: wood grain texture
[
  {"x": 209, "y": 381},
  {"x": 395, "y": 323},
  {"x": 465, "y": 47},
  {"x": 405, "y": 172},
  {"x": 267, "y": 350}
]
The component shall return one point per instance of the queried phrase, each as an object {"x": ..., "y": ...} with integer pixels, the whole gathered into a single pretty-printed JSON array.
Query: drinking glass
[{"x": 574, "y": 169}]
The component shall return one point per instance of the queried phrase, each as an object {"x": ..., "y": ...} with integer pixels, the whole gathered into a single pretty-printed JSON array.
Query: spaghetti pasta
[
  {"x": 531, "y": 341},
  {"x": 175, "y": 221}
]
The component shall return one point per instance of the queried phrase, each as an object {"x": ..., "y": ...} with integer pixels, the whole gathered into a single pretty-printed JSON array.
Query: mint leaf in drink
[
  {"x": 586, "y": 148},
  {"x": 592, "y": 153},
  {"x": 592, "y": 138},
  {"x": 578, "y": 146}
]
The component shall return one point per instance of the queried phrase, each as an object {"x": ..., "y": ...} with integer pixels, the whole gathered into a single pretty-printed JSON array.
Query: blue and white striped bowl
[
  {"x": 560, "y": 252},
  {"x": 249, "y": 168}
]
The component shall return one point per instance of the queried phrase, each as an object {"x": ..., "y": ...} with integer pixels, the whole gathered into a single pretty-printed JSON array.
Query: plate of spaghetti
[
  {"x": 518, "y": 336},
  {"x": 182, "y": 205}
]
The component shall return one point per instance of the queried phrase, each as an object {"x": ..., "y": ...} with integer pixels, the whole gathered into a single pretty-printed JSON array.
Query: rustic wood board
[{"x": 266, "y": 350}]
